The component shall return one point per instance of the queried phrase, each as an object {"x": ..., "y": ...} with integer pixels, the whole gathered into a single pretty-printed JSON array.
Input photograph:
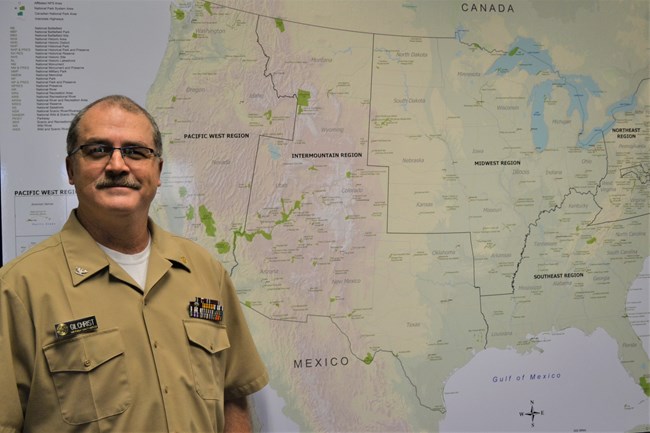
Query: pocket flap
[
  {"x": 210, "y": 336},
  {"x": 84, "y": 352}
]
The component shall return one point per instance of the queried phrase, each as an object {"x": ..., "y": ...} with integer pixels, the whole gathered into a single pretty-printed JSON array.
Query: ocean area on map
[{"x": 534, "y": 387}]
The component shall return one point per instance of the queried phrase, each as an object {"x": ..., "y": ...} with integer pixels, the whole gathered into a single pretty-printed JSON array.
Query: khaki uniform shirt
[{"x": 147, "y": 367}]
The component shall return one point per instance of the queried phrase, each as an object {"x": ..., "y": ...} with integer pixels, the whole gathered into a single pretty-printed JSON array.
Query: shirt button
[{"x": 87, "y": 363}]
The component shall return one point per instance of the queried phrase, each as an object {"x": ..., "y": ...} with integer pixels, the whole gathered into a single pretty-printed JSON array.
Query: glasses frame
[{"x": 152, "y": 153}]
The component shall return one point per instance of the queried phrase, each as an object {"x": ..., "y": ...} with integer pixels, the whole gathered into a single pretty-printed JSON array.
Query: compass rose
[{"x": 532, "y": 413}]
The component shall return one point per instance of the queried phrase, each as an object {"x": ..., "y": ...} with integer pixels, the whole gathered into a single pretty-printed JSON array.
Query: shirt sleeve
[
  {"x": 17, "y": 343},
  {"x": 245, "y": 372}
]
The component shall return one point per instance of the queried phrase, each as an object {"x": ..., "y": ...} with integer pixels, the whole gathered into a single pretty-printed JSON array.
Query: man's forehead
[
  {"x": 106, "y": 107},
  {"x": 110, "y": 115}
]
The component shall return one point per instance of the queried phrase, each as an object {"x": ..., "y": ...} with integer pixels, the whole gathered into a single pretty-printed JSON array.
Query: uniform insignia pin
[
  {"x": 80, "y": 271},
  {"x": 62, "y": 330}
]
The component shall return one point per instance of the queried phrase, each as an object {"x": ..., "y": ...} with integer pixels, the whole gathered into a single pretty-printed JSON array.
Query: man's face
[{"x": 115, "y": 185}]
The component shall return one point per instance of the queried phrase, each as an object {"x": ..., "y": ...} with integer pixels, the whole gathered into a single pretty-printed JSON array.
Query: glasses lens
[
  {"x": 137, "y": 152},
  {"x": 96, "y": 151},
  {"x": 103, "y": 151}
]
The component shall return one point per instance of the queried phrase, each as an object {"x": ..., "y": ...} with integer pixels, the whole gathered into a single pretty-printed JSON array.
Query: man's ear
[
  {"x": 160, "y": 167},
  {"x": 69, "y": 168}
]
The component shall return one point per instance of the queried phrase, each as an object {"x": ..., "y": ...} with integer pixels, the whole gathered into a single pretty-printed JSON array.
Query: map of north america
[{"x": 460, "y": 186}]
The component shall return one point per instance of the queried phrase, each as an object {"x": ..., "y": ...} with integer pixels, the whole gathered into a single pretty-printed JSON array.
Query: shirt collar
[
  {"x": 85, "y": 258},
  {"x": 164, "y": 244}
]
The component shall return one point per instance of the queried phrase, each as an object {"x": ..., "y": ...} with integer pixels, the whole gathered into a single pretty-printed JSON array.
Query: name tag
[{"x": 73, "y": 327}]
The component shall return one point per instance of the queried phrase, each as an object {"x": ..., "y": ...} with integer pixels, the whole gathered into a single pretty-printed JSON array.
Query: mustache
[{"x": 118, "y": 182}]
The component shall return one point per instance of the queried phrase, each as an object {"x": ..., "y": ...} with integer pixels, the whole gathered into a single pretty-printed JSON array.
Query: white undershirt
[{"x": 134, "y": 264}]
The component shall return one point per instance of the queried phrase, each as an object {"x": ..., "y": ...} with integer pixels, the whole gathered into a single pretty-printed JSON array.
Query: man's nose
[{"x": 116, "y": 160}]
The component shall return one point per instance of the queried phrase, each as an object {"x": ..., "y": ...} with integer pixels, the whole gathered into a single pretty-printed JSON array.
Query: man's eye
[
  {"x": 97, "y": 150},
  {"x": 135, "y": 152}
]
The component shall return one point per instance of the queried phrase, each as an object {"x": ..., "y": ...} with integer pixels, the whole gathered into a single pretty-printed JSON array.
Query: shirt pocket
[
  {"x": 90, "y": 376},
  {"x": 207, "y": 341}
]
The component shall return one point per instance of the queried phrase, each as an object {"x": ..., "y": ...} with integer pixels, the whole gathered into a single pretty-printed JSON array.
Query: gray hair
[{"x": 121, "y": 101}]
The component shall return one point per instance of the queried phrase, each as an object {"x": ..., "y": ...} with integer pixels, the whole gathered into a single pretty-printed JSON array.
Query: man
[{"x": 114, "y": 325}]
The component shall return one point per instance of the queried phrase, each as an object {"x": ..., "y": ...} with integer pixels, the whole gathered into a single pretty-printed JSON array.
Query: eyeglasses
[{"x": 103, "y": 152}]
